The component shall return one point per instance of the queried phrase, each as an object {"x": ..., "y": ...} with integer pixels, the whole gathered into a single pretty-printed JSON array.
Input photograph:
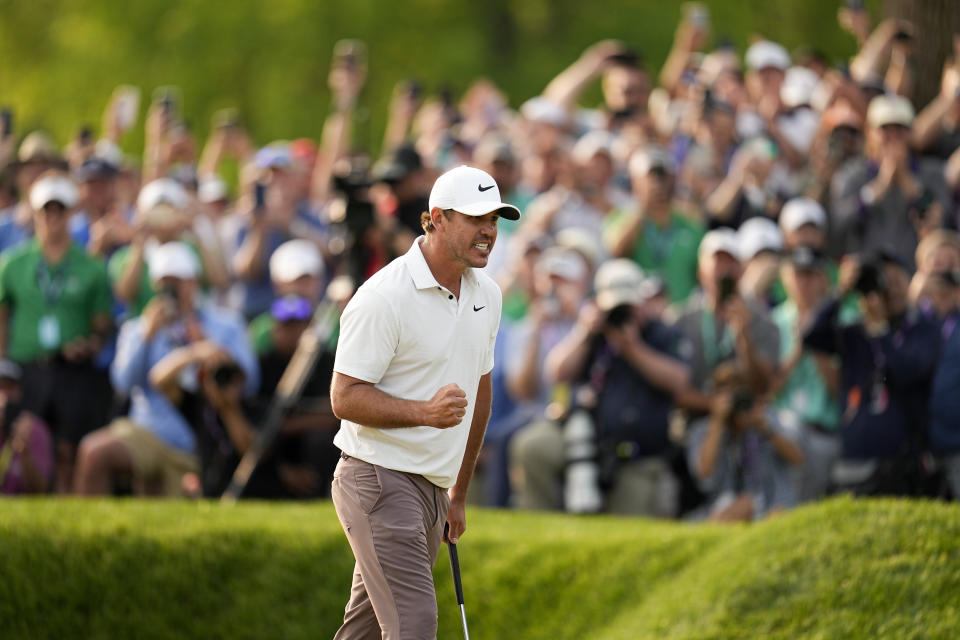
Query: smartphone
[
  {"x": 854, "y": 5},
  {"x": 728, "y": 287},
  {"x": 414, "y": 89},
  {"x": 259, "y": 197},
  {"x": 627, "y": 58},
  {"x": 6, "y": 122},
  {"x": 127, "y": 103},
  {"x": 226, "y": 118},
  {"x": 350, "y": 53},
  {"x": 85, "y": 135},
  {"x": 168, "y": 99},
  {"x": 698, "y": 15}
]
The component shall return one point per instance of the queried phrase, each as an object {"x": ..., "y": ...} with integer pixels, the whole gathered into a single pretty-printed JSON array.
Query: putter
[{"x": 457, "y": 585}]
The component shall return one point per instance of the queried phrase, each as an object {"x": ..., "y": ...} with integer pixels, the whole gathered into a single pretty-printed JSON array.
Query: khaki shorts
[{"x": 153, "y": 458}]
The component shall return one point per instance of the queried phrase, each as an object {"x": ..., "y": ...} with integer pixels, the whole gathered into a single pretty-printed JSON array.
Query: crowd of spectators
[{"x": 734, "y": 288}]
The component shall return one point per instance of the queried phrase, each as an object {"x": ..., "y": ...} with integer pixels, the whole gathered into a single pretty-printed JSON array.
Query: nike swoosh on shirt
[
  {"x": 482, "y": 188},
  {"x": 476, "y": 308}
]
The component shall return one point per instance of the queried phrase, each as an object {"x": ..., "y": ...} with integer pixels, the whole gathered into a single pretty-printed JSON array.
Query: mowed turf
[{"x": 133, "y": 569}]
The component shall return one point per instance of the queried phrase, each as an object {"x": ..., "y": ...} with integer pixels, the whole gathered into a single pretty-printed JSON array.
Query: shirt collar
[{"x": 423, "y": 278}]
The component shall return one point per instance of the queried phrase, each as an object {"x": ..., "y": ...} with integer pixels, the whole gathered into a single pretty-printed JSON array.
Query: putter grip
[{"x": 455, "y": 566}]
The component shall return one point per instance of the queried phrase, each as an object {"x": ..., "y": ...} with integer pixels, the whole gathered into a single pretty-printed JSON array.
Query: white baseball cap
[
  {"x": 758, "y": 234},
  {"x": 53, "y": 188},
  {"x": 800, "y": 211},
  {"x": 590, "y": 144},
  {"x": 799, "y": 84},
  {"x": 563, "y": 263},
  {"x": 890, "y": 109},
  {"x": 722, "y": 240},
  {"x": 765, "y": 54},
  {"x": 173, "y": 260},
  {"x": 470, "y": 191},
  {"x": 211, "y": 189},
  {"x": 620, "y": 282},
  {"x": 294, "y": 259},
  {"x": 162, "y": 191},
  {"x": 540, "y": 109}
]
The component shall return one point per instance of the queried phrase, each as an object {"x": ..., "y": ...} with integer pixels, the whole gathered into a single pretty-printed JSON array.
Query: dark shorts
[{"x": 74, "y": 399}]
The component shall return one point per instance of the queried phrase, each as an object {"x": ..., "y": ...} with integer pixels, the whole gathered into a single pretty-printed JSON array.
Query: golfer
[{"x": 411, "y": 384}]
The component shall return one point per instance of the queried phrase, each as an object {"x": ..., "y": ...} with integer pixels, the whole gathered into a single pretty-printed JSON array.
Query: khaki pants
[
  {"x": 394, "y": 524},
  {"x": 154, "y": 459},
  {"x": 640, "y": 487}
]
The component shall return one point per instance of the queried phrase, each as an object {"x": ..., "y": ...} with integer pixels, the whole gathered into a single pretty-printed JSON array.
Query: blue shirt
[
  {"x": 884, "y": 381},
  {"x": 12, "y": 233},
  {"x": 945, "y": 398},
  {"x": 135, "y": 357}
]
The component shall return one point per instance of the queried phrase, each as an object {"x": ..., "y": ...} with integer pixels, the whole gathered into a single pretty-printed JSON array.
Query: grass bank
[{"x": 124, "y": 569}]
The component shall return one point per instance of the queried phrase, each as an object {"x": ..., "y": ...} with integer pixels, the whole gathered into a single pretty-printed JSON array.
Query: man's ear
[{"x": 437, "y": 217}]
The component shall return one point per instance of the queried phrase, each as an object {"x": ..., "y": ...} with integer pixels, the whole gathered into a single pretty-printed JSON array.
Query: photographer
[
  {"x": 886, "y": 364},
  {"x": 746, "y": 457},
  {"x": 625, "y": 366},
  {"x": 155, "y": 445},
  {"x": 216, "y": 413}
]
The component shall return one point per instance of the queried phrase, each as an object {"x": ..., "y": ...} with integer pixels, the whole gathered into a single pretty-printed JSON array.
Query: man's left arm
[{"x": 456, "y": 517}]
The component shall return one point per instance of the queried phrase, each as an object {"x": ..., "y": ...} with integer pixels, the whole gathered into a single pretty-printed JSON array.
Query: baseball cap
[
  {"x": 800, "y": 211},
  {"x": 398, "y": 164},
  {"x": 540, "y": 109},
  {"x": 53, "y": 188},
  {"x": 162, "y": 191},
  {"x": 95, "y": 168},
  {"x": 806, "y": 259},
  {"x": 889, "y": 109},
  {"x": 470, "y": 191},
  {"x": 291, "y": 309},
  {"x": 582, "y": 241},
  {"x": 723, "y": 240},
  {"x": 757, "y": 235},
  {"x": 563, "y": 263},
  {"x": 646, "y": 160},
  {"x": 172, "y": 260},
  {"x": 766, "y": 54},
  {"x": 275, "y": 155},
  {"x": 294, "y": 259},
  {"x": 37, "y": 146},
  {"x": 590, "y": 144},
  {"x": 10, "y": 370},
  {"x": 620, "y": 282},
  {"x": 211, "y": 189},
  {"x": 798, "y": 86}
]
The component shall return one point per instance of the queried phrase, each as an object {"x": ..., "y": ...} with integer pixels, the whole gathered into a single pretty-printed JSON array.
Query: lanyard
[
  {"x": 51, "y": 282},
  {"x": 660, "y": 241},
  {"x": 714, "y": 351}
]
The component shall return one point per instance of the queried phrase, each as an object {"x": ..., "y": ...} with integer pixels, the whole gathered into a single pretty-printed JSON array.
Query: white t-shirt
[{"x": 409, "y": 336}]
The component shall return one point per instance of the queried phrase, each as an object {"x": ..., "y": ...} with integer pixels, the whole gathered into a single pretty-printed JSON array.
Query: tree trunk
[{"x": 935, "y": 21}]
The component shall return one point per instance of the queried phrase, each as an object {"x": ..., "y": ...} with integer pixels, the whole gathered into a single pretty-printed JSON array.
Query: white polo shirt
[{"x": 409, "y": 336}]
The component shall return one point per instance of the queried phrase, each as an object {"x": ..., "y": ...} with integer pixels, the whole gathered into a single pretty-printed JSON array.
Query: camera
[
  {"x": 743, "y": 402},
  {"x": 728, "y": 287},
  {"x": 619, "y": 315},
  {"x": 226, "y": 374},
  {"x": 870, "y": 279}
]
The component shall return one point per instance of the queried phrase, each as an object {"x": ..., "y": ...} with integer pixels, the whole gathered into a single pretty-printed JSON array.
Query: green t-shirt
[
  {"x": 261, "y": 333},
  {"x": 669, "y": 252},
  {"x": 50, "y": 305},
  {"x": 805, "y": 392},
  {"x": 118, "y": 264}
]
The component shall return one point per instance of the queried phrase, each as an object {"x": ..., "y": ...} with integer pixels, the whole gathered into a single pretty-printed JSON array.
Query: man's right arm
[{"x": 361, "y": 402}]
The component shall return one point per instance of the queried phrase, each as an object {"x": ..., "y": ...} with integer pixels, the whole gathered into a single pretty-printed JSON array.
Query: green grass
[{"x": 125, "y": 569}]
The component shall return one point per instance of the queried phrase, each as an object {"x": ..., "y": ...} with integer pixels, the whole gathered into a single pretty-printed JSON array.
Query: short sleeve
[
  {"x": 369, "y": 335},
  {"x": 101, "y": 296}
]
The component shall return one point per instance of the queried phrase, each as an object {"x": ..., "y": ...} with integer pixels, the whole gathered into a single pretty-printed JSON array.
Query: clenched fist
[{"x": 446, "y": 408}]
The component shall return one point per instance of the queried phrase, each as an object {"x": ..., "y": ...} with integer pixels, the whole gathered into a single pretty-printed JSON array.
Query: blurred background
[{"x": 59, "y": 61}]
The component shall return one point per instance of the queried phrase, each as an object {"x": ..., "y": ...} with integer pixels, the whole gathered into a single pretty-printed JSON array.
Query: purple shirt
[{"x": 40, "y": 451}]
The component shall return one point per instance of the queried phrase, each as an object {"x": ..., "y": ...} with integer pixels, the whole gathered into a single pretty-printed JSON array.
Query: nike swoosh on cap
[
  {"x": 482, "y": 188},
  {"x": 476, "y": 308}
]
